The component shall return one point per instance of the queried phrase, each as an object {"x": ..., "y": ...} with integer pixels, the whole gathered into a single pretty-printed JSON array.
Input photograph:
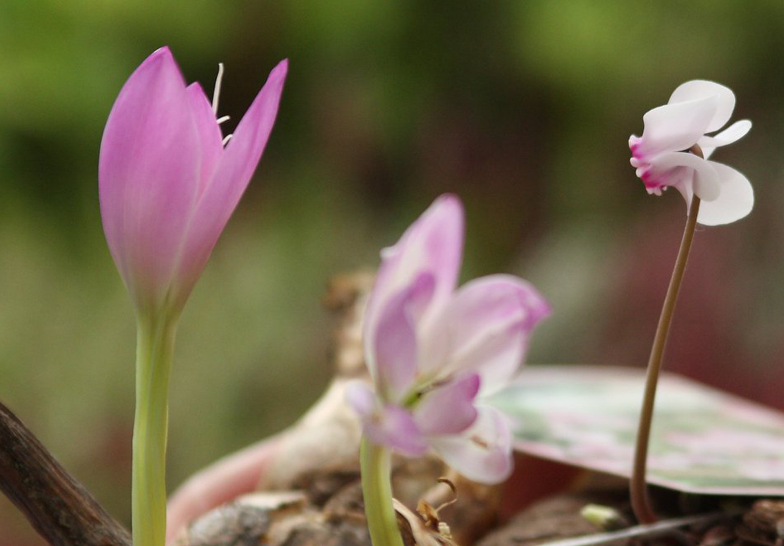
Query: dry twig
[{"x": 58, "y": 507}]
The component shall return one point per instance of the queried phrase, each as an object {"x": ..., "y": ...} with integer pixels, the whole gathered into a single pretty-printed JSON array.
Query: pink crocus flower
[
  {"x": 662, "y": 159},
  {"x": 433, "y": 352},
  {"x": 168, "y": 185}
]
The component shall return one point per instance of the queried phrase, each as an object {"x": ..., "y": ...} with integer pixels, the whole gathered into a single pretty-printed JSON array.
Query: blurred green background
[{"x": 522, "y": 107}]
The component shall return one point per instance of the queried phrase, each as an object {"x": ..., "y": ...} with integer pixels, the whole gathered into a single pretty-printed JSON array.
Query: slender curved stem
[
  {"x": 638, "y": 488},
  {"x": 154, "y": 349},
  {"x": 377, "y": 493}
]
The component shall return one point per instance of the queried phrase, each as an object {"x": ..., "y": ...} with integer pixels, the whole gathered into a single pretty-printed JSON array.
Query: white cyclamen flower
[{"x": 662, "y": 159}]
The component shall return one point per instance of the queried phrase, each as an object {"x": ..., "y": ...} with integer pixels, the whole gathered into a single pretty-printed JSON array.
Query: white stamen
[
  {"x": 226, "y": 139},
  {"x": 224, "y": 118},
  {"x": 216, "y": 92}
]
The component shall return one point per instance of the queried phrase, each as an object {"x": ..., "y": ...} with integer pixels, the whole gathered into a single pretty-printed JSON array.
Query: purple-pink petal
[
  {"x": 483, "y": 453},
  {"x": 360, "y": 397},
  {"x": 432, "y": 244},
  {"x": 394, "y": 361},
  {"x": 490, "y": 320},
  {"x": 222, "y": 193},
  {"x": 148, "y": 163},
  {"x": 449, "y": 408},
  {"x": 388, "y": 425},
  {"x": 395, "y": 428}
]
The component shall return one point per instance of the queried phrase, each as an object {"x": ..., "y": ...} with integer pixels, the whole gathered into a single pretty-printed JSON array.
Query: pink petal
[
  {"x": 731, "y": 134},
  {"x": 448, "y": 409},
  {"x": 701, "y": 89},
  {"x": 148, "y": 163},
  {"x": 432, "y": 244},
  {"x": 675, "y": 127},
  {"x": 490, "y": 320},
  {"x": 209, "y": 134},
  {"x": 390, "y": 425},
  {"x": 360, "y": 397},
  {"x": 483, "y": 453},
  {"x": 234, "y": 171},
  {"x": 734, "y": 202},
  {"x": 395, "y": 428},
  {"x": 393, "y": 364}
]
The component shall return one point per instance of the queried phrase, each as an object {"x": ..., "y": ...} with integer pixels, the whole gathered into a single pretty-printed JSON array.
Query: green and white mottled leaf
[{"x": 703, "y": 440}]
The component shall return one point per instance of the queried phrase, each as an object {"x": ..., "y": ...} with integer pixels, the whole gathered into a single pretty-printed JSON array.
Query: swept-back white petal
[
  {"x": 734, "y": 202},
  {"x": 700, "y": 89},
  {"x": 677, "y": 126},
  {"x": 688, "y": 169},
  {"x": 734, "y": 132}
]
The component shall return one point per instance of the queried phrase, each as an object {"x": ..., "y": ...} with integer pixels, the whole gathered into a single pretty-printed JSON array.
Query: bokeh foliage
[{"x": 523, "y": 107}]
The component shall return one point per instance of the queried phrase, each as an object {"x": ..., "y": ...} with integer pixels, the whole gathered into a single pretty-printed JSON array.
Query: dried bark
[
  {"x": 552, "y": 519},
  {"x": 327, "y": 510},
  {"x": 59, "y": 507},
  {"x": 764, "y": 523}
]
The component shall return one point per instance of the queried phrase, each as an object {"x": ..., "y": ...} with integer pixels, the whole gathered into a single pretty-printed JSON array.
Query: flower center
[{"x": 422, "y": 388}]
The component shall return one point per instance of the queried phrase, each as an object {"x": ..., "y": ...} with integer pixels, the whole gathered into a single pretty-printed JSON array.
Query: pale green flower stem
[
  {"x": 154, "y": 348},
  {"x": 638, "y": 487},
  {"x": 377, "y": 493}
]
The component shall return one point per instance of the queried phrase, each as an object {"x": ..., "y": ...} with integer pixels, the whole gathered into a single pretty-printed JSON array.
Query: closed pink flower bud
[{"x": 167, "y": 184}]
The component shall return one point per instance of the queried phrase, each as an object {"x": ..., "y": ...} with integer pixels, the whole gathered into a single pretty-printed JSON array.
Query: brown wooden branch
[{"x": 58, "y": 507}]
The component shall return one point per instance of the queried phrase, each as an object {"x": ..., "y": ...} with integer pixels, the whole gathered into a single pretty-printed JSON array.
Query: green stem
[
  {"x": 637, "y": 487},
  {"x": 154, "y": 348},
  {"x": 377, "y": 493}
]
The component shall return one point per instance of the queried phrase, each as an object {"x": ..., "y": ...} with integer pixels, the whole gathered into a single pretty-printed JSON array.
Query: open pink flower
[
  {"x": 434, "y": 351},
  {"x": 662, "y": 159},
  {"x": 167, "y": 183}
]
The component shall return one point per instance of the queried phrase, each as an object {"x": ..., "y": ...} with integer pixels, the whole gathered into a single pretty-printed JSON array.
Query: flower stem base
[
  {"x": 377, "y": 494},
  {"x": 154, "y": 350}
]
